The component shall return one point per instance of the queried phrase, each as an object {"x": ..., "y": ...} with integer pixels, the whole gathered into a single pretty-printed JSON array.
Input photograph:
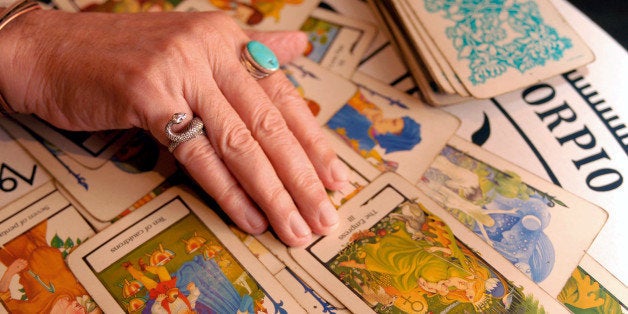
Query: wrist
[{"x": 11, "y": 19}]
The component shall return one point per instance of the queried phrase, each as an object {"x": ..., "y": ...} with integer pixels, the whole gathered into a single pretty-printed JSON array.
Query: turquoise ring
[{"x": 259, "y": 60}]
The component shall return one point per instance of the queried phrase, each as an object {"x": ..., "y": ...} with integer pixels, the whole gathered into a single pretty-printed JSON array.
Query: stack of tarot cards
[{"x": 460, "y": 50}]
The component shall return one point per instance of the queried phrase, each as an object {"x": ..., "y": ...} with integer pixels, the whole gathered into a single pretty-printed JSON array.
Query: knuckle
[
  {"x": 306, "y": 180},
  {"x": 275, "y": 193},
  {"x": 237, "y": 141},
  {"x": 277, "y": 202},
  {"x": 135, "y": 76},
  {"x": 284, "y": 93},
  {"x": 269, "y": 122},
  {"x": 229, "y": 196},
  {"x": 315, "y": 139},
  {"x": 222, "y": 18},
  {"x": 208, "y": 27}
]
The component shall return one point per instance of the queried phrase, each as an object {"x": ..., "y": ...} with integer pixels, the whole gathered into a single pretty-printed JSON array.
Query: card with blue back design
[{"x": 498, "y": 46}]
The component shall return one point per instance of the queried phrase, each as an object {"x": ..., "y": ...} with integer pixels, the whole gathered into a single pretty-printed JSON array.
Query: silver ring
[
  {"x": 259, "y": 60},
  {"x": 192, "y": 130}
]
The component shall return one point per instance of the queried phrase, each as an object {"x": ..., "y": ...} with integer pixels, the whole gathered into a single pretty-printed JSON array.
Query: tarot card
[
  {"x": 305, "y": 290},
  {"x": 136, "y": 169},
  {"x": 430, "y": 91},
  {"x": 386, "y": 66},
  {"x": 100, "y": 225},
  {"x": 37, "y": 232},
  {"x": 392, "y": 130},
  {"x": 592, "y": 289},
  {"x": 397, "y": 251},
  {"x": 91, "y": 220},
  {"x": 90, "y": 149},
  {"x": 19, "y": 172},
  {"x": 381, "y": 60},
  {"x": 524, "y": 218},
  {"x": 497, "y": 48},
  {"x": 337, "y": 42},
  {"x": 433, "y": 58},
  {"x": 256, "y": 14},
  {"x": 312, "y": 301},
  {"x": 324, "y": 91},
  {"x": 175, "y": 253},
  {"x": 404, "y": 32},
  {"x": 359, "y": 10}
]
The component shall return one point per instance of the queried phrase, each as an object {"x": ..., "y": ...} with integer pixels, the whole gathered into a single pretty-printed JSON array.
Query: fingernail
[
  {"x": 299, "y": 226},
  {"x": 339, "y": 171},
  {"x": 328, "y": 215}
]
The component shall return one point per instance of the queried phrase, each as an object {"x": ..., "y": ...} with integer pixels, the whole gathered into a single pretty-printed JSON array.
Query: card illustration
[
  {"x": 410, "y": 260},
  {"x": 398, "y": 252},
  {"x": 363, "y": 125},
  {"x": 584, "y": 294},
  {"x": 45, "y": 283},
  {"x": 186, "y": 267},
  {"x": 510, "y": 213},
  {"x": 392, "y": 131},
  {"x": 38, "y": 233},
  {"x": 257, "y": 14},
  {"x": 324, "y": 91},
  {"x": 337, "y": 42},
  {"x": 171, "y": 255},
  {"x": 321, "y": 35},
  {"x": 593, "y": 289}
]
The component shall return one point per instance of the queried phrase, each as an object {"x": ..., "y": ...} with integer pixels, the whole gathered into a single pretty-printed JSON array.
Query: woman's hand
[{"x": 264, "y": 158}]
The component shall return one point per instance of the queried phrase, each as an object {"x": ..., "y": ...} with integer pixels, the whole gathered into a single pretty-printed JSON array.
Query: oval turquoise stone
[{"x": 262, "y": 55}]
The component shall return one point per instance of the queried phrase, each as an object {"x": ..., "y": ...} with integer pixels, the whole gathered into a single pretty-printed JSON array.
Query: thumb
[{"x": 286, "y": 45}]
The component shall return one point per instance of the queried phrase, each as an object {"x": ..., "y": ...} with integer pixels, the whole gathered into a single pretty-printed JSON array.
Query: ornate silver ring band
[{"x": 192, "y": 130}]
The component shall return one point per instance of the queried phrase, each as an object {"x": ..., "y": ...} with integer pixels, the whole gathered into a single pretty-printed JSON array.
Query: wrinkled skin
[{"x": 264, "y": 159}]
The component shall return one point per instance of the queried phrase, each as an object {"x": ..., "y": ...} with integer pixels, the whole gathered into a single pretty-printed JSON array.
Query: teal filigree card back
[{"x": 496, "y": 35}]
